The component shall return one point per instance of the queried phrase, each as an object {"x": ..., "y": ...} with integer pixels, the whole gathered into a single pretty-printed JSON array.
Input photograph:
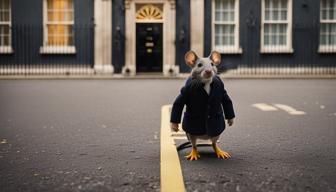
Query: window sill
[
  {"x": 327, "y": 49},
  {"x": 275, "y": 50},
  {"x": 58, "y": 50},
  {"x": 6, "y": 50},
  {"x": 229, "y": 50}
]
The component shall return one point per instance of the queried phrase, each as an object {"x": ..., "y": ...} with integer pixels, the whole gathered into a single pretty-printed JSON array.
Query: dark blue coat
[{"x": 204, "y": 112}]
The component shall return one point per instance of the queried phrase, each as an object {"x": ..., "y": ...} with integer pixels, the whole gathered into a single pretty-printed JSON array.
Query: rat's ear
[
  {"x": 215, "y": 57},
  {"x": 190, "y": 58}
]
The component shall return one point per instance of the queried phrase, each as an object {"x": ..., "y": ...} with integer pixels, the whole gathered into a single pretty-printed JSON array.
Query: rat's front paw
[
  {"x": 230, "y": 122},
  {"x": 174, "y": 127}
]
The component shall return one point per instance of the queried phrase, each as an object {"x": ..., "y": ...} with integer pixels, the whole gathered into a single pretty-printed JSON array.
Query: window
[
  {"x": 225, "y": 35},
  {"x": 276, "y": 31},
  {"x": 5, "y": 27},
  {"x": 58, "y": 26},
  {"x": 328, "y": 26}
]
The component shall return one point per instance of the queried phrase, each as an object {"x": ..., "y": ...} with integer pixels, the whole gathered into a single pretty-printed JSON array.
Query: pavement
[{"x": 104, "y": 135}]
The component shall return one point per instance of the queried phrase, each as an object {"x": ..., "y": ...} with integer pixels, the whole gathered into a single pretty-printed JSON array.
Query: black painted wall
[
  {"x": 27, "y": 35},
  {"x": 305, "y": 38},
  {"x": 182, "y": 33},
  {"x": 118, "y": 34}
]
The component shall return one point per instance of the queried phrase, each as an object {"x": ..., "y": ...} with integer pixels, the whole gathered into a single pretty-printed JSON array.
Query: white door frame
[{"x": 169, "y": 28}]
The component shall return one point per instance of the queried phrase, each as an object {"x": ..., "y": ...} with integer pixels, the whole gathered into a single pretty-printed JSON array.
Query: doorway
[{"x": 149, "y": 53}]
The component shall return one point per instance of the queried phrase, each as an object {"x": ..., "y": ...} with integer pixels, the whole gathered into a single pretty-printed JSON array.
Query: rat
[{"x": 207, "y": 104}]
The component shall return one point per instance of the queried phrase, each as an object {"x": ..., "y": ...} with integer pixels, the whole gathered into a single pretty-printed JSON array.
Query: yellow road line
[{"x": 171, "y": 173}]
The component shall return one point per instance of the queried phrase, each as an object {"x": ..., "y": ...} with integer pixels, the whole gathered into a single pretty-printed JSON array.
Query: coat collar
[{"x": 212, "y": 87}]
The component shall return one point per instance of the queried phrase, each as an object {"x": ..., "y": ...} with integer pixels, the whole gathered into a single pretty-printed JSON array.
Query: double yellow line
[{"x": 171, "y": 173}]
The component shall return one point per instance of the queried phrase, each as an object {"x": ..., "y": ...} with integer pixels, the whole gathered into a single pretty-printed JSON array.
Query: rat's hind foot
[
  {"x": 193, "y": 155},
  {"x": 221, "y": 154}
]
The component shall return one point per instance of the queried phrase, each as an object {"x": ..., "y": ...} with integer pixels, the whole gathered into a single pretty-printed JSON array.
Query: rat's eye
[
  {"x": 199, "y": 65},
  {"x": 212, "y": 64}
]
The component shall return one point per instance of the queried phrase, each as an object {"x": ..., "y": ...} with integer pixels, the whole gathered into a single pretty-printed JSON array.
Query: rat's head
[{"x": 203, "y": 69}]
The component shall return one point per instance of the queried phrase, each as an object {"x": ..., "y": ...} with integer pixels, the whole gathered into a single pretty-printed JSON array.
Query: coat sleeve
[
  {"x": 227, "y": 104},
  {"x": 178, "y": 105}
]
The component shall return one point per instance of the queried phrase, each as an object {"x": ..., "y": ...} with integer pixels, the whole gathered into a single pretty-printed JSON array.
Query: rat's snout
[{"x": 208, "y": 72}]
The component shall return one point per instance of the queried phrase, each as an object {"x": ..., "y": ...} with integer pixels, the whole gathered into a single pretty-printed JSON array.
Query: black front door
[{"x": 149, "y": 47}]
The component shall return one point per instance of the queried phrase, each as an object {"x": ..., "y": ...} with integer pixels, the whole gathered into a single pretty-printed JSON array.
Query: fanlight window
[{"x": 149, "y": 12}]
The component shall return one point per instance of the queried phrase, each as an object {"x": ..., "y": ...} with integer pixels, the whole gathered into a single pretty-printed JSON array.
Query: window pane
[
  {"x": 226, "y": 16},
  {"x": 4, "y": 29},
  {"x": 224, "y": 10},
  {"x": 267, "y": 4},
  {"x": 226, "y": 5},
  {"x": 322, "y": 39},
  {"x": 284, "y": 15},
  {"x": 4, "y": 16},
  {"x": 328, "y": 9},
  {"x": 225, "y": 33},
  {"x": 4, "y": 35},
  {"x": 329, "y": 33},
  {"x": 229, "y": 29},
  {"x": 4, "y": 10},
  {"x": 267, "y": 28},
  {"x": 60, "y": 10},
  {"x": 5, "y": 4},
  {"x": 226, "y": 29},
  {"x": 324, "y": 14},
  {"x": 333, "y": 40},
  {"x": 218, "y": 4},
  {"x": 4, "y": 40},
  {"x": 275, "y": 10},
  {"x": 231, "y": 16},
  {"x": 283, "y": 4},
  {"x": 59, "y": 4},
  {"x": 231, "y": 37},
  {"x": 332, "y": 10},
  {"x": 219, "y": 34},
  {"x": 219, "y": 16},
  {"x": 60, "y": 16},
  {"x": 275, "y": 15},
  {"x": 217, "y": 40},
  {"x": 283, "y": 28},
  {"x": 267, "y": 15},
  {"x": 60, "y": 35},
  {"x": 231, "y": 4},
  {"x": 282, "y": 39},
  {"x": 219, "y": 29},
  {"x": 273, "y": 28},
  {"x": 273, "y": 40},
  {"x": 323, "y": 28},
  {"x": 323, "y": 4},
  {"x": 275, "y": 34},
  {"x": 226, "y": 40},
  {"x": 333, "y": 28},
  {"x": 276, "y": 4},
  {"x": 266, "y": 40}
]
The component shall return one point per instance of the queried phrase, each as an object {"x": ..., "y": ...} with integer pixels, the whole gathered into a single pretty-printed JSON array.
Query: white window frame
[
  {"x": 8, "y": 49},
  {"x": 325, "y": 48},
  {"x": 52, "y": 49},
  {"x": 226, "y": 49},
  {"x": 288, "y": 48}
]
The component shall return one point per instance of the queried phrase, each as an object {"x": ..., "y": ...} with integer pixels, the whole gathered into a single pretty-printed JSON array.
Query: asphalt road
[{"x": 103, "y": 135}]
